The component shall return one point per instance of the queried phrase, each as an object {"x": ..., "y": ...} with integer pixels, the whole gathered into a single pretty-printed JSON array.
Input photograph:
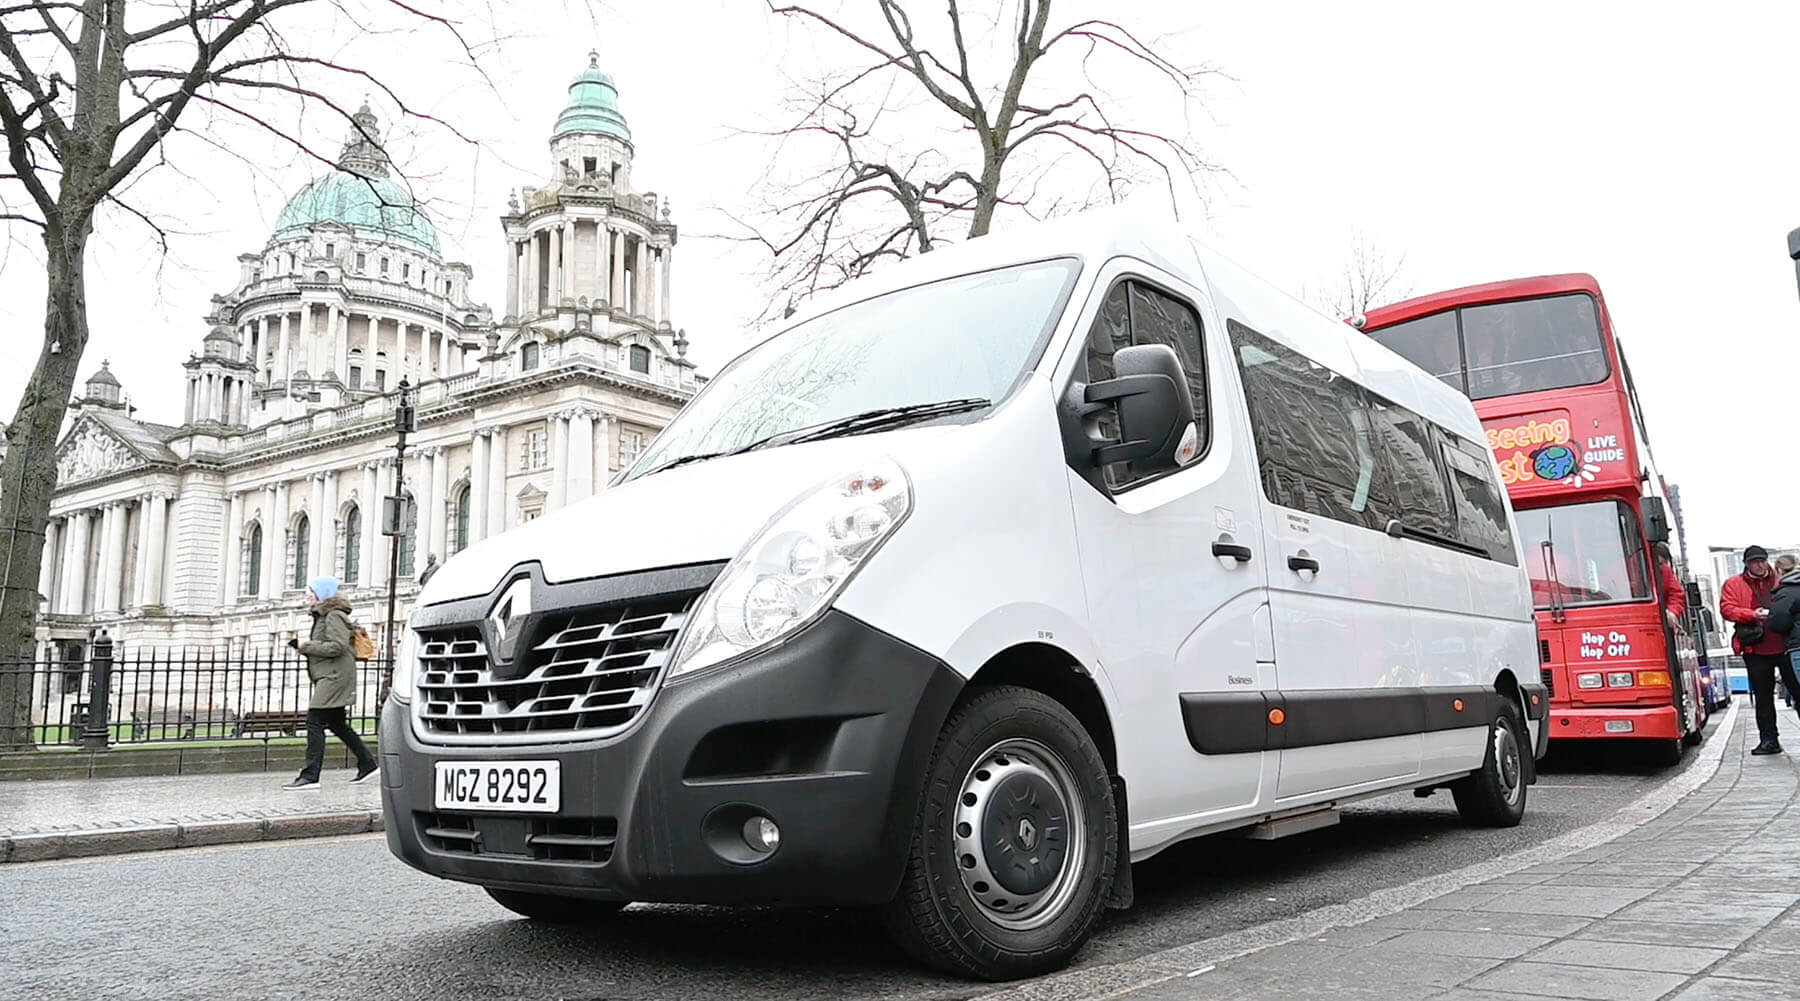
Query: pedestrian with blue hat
[{"x": 330, "y": 653}]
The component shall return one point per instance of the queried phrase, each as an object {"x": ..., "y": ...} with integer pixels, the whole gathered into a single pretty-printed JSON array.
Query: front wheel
[
  {"x": 554, "y": 909},
  {"x": 1015, "y": 843},
  {"x": 1667, "y": 753},
  {"x": 1494, "y": 796}
]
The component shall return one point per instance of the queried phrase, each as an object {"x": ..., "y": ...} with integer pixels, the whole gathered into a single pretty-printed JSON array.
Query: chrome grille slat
[{"x": 592, "y": 674}]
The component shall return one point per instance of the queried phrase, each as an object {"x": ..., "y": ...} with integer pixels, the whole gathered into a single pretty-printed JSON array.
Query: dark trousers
[
  {"x": 1762, "y": 669},
  {"x": 338, "y": 722}
]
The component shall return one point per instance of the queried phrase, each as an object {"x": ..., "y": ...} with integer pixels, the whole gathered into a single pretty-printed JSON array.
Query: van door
[
  {"x": 1173, "y": 569},
  {"x": 1344, "y": 642}
]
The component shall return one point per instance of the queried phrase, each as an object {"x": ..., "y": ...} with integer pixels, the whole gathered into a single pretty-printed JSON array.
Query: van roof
[{"x": 1099, "y": 235}]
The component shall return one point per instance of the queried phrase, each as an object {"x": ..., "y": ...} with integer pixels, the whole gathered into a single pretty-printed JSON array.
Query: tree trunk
[{"x": 28, "y": 479}]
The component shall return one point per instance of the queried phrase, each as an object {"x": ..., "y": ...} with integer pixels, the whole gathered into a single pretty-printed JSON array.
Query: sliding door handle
[
  {"x": 1232, "y": 550},
  {"x": 1299, "y": 563}
]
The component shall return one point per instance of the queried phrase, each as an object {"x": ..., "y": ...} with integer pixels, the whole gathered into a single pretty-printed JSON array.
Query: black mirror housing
[
  {"x": 1656, "y": 519},
  {"x": 1155, "y": 407}
]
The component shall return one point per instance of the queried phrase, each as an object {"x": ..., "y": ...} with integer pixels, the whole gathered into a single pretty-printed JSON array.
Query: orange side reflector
[
  {"x": 1277, "y": 717},
  {"x": 1457, "y": 705}
]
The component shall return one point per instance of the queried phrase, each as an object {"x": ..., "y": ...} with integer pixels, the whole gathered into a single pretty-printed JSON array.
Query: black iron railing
[{"x": 120, "y": 694}]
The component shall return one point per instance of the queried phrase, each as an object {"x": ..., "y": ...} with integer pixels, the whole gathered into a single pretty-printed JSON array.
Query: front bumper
[
  {"x": 828, "y": 734},
  {"x": 1655, "y": 723}
]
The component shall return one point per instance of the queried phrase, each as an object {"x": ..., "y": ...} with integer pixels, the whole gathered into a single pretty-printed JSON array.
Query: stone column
[
  {"x": 640, "y": 298},
  {"x": 437, "y": 516},
  {"x": 498, "y": 465},
  {"x": 47, "y": 569},
  {"x": 602, "y": 262},
  {"x": 334, "y": 343},
  {"x": 112, "y": 558},
  {"x": 478, "y": 488},
  {"x": 262, "y": 345},
  {"x": 581, "y": 455},
  {"x": 140, "y": 577},
  {"x": 315, "y": 527},
  {"x": 444, "y": 354},
  {"x": 76, "y": 569},
  {"x": 284, "y": 367},
  {"x": 618, "y": 274},
  {"x": 553, "y": 267},
  {"x": 234, "y": 549},
  {"x": 272, "y": 536},
  {"x": 512, "y": 280},
  {"x": 573, "y": 277},
  {"x": 609, "y": 449},
  {"x": 533, "y": 276},
  {"x": 159, "y": 527},
  {"x": 369, "y": 504},
  {"x": 559, "y": 462},
  {"x": 427, "y": 498},
  {"x": 667, "y": 257}
]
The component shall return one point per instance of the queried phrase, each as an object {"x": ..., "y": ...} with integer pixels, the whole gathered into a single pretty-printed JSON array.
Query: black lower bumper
[{"x": 829, "y": 735}]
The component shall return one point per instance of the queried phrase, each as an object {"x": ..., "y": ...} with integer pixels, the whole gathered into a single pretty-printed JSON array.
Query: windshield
[
  {"x": 1503, "y": 348},
  {"x": 960, "y": 339},
  {"x": 1584, "y": 554}
]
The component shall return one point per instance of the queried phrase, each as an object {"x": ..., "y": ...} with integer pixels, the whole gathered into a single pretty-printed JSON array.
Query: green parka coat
[{"x": 330, "y": 656}]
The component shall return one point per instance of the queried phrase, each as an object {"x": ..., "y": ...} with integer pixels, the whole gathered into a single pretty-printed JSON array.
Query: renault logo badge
[
  {"x": 1027, "y": 834},
  {"x": 507, "y": 620}
]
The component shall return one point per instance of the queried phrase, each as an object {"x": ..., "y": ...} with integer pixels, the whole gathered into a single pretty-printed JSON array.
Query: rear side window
[
  {"x": 1137, "y": 313},
  {"x": 1315, "y": 441},
  {"x": 1421, "y": 496},
  {"x": 1479, "y": 499}
]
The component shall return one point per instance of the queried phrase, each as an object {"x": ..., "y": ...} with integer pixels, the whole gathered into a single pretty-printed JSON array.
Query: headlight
[
  {"x": 1619, "y": 679},
  {"x": 792, "y": 569},
  {"x": 1589, "y": 681},
  {"x": 403, "y": 665}
]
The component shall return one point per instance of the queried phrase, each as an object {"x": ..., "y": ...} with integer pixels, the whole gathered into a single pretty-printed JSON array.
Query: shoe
[
  {"x": 1767, "y": 747},
  {"x": 365, "y": 774},
  {"x": 299, "y": 784}
]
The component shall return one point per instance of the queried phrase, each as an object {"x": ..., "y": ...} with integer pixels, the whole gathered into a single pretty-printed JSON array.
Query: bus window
[
  {"x": 1530, "y": 345},
  {"x": 1429, "y": 342},
  {"x": 1584, "y": 554}
]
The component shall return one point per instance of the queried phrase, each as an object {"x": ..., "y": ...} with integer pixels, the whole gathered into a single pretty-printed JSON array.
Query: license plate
[
  {"x": 499, "y": 786},
  {"x": 1618, "y": 726}
]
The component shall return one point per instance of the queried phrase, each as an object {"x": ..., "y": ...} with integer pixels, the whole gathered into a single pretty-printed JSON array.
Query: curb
[{"x": 45, "y": 846}]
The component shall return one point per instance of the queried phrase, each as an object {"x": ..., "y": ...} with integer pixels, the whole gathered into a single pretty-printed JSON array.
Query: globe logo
[{"x": 1553, "y": 462}]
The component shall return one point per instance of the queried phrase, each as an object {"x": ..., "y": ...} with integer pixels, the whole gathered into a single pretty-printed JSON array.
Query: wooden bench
[
  {"x": 285, "y": 722},
  {"x": 185, "y": 721}
]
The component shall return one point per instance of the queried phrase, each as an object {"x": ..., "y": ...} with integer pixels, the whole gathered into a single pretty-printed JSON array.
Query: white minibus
[{"x": 983, "y": 580}]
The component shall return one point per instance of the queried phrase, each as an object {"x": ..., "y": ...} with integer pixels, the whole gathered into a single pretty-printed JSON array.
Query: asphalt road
[{"x": 340, "y": 918}]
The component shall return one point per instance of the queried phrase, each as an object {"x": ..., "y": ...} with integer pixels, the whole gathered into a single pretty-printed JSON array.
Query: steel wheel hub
[
  {"x": 1019, "y": 834},
  {"x": 1507, "y": 763}
]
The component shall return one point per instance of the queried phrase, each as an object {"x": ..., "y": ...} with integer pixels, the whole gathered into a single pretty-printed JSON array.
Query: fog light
[
  {"x": 1589, "y": 681},
  {"x": 1619, "y": 679},
  {"x": 761, "y": 834}
]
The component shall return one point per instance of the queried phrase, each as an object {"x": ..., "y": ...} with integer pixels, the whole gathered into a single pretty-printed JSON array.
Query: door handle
[
  {"x": 1299, "y": 563},
  {"x": 1231, "y": 549}
]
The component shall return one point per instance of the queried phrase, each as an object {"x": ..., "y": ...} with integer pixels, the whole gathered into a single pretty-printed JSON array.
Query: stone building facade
[{"x": 206, "y": 532}]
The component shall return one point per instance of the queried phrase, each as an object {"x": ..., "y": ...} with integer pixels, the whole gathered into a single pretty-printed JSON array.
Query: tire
[
  {"x": 554, "y": 909},
  {"x": 1494, "y": 795},
  {"x": 1012, "y": 766},
  {"x": 1667, "y": 753}
]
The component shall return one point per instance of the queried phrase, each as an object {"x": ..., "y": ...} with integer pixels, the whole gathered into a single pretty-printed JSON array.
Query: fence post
[{"x": 98, "y": 734}]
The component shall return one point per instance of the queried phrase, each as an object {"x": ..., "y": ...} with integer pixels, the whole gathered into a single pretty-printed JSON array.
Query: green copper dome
[
  {"x": 374, "y": 207},
  {"x": 593, "y": 106}
]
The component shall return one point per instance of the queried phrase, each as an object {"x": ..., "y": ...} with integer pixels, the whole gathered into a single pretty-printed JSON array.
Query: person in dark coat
[
  {"x": 1783, "y": 621},
  {"x": 331, "y": 664}
]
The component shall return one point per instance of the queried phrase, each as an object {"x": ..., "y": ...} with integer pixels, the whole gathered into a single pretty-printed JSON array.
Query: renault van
[{"x": 980, "y": 582}]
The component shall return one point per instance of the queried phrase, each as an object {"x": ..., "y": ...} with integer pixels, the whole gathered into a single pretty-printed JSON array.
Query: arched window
[
  {"x": 640, "y": 359},
  {"x": 320, "y": 276},
  {"x": 406, "y": 544},
  {"x": 299, "y": 534},
  {"x": 528, "y": 356},
  {"x": 253, "y": 565},
  {"x": 353, "y": 546},
  {"x": 460, "y": 537}
]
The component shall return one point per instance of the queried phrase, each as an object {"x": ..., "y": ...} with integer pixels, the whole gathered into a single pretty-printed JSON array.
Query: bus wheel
[
  {"x": 1494, "y": 796},
  {"x": 1667, "y": 753},
  {"x": 1014, "y": 845},
  {"x": 554, "y": 909}
]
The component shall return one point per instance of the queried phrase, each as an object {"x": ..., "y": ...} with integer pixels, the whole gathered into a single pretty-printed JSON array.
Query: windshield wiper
[
  {"x": 885, "y": 417},
  {"x": 703, "y": 456}
]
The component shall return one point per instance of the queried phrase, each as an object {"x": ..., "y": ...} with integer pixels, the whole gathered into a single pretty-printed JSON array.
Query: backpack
[{"x": 360, "y": 643}]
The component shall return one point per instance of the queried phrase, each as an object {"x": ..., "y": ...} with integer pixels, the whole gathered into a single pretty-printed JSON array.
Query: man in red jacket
[
  {"x": 1674, "y": 596},
  {"x": 1744, "y": 600}
]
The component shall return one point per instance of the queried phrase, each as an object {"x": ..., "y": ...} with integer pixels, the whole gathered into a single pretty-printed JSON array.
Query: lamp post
[{"x": 394, "y": 515}]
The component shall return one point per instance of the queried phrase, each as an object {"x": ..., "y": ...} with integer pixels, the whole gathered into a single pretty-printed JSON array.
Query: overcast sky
[{"x": 1655, "y": 151}]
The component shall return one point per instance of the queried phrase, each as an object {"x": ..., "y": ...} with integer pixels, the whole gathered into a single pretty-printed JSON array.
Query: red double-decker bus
[{"x": 1550, "y": 383}]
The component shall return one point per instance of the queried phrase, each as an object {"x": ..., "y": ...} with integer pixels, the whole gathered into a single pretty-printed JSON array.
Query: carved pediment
[{"x": 90, "y": 452}]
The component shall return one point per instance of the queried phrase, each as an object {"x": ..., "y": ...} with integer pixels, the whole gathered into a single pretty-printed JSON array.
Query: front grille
[
  {"x": 592, "y": 674},
  {"x": 1544, "y": 654},
  {"x": 545, "y": 839},
  {"x": 1549, "y": 679}
]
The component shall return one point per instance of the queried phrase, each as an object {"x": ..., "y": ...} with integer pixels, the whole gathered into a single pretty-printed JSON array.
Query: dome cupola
[
  {"x": 593, "y": 107},
  {"x": 361, "y": 196}
]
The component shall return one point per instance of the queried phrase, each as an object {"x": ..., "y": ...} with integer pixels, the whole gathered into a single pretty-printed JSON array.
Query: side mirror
[
  {"x": 1155, "y": 407},
  {"x": 1656, "y": 519}
]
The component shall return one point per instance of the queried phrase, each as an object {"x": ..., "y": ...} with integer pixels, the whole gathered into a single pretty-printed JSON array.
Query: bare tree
[
  {"x": 1370, "y": 277},
  {"x": 93, "y": 94},
  {"x": 938, "y": 126}
]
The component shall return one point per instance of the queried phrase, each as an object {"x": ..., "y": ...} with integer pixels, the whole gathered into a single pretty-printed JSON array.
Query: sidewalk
[
  {"x": 1700, "y": 904},
  {"x": 79, "y": 817}
]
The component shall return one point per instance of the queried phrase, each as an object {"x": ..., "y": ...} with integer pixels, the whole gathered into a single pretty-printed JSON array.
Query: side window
[
  {"x": 1314, "y": 437},
  {"x": 1421, "y": 497},
  {"x": 1480, "y": 502},
  {"x": 1136, "y": 313}
]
